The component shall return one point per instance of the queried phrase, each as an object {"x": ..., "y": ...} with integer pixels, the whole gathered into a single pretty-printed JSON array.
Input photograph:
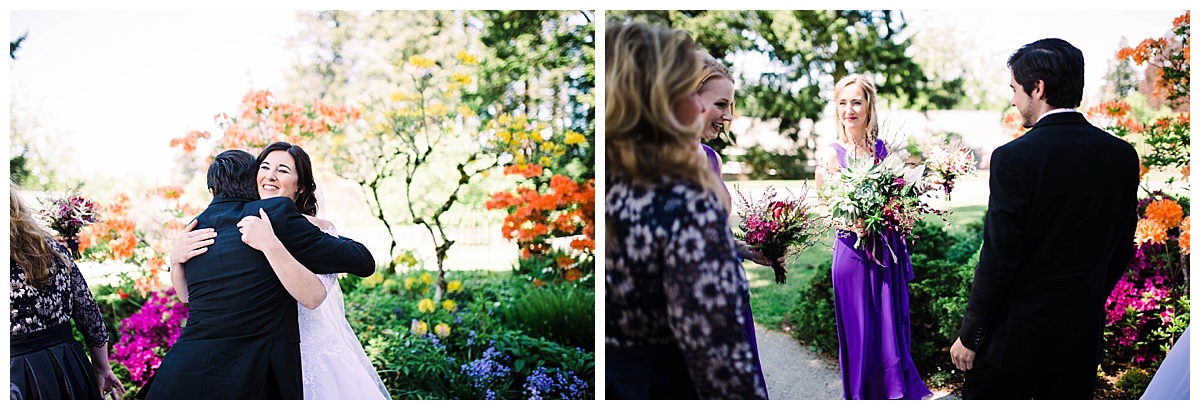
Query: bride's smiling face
[
  {"x": 277, "y": 176},
  {"x": 852, "y": 107}
]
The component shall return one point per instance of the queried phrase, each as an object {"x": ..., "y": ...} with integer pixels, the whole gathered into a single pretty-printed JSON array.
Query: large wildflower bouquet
[
  {"x": 885, "y": 194},
  {"x": 778, "y": 226},
  {"x": 947, "y": 162}
]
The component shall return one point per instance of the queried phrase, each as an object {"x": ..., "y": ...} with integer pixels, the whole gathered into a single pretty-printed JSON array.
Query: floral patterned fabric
[
  {"x": 67, "y": 297},
  {"x": 672, "y": 280}
]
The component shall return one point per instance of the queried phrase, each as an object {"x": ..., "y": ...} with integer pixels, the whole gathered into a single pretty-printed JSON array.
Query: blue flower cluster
[
  {"x": 485, "y": 370},
  {"x": 565, "y": 386}
]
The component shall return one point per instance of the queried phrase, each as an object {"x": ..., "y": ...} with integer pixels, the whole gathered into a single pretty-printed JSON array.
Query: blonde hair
[
  {"x": 647, "y": 69},
  {"x": 27, "y": 242},
  {"x": 869, "y": 89}
]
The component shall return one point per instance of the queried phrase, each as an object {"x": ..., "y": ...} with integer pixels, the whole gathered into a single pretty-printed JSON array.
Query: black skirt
[
  {"x": 50, "y": 365},
  {"x": 647, "y": 373}
]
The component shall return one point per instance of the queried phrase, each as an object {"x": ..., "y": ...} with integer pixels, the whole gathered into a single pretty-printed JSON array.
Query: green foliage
[
  {"x": 765, "y": 164},
  {"x": 561, "y": 313},
  {"x": 813, "y": 315},
  {"x": 481, "y": 357},
  {"x": 1133, "y": 383},
  {"x": 808, "y": 50},
  {"x": 943, "y": 262}
]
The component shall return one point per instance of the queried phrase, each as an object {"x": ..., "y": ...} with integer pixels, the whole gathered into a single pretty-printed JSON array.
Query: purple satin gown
[
  {"x": 747, "y": 313},
  {"x": 871, "y": 306}
]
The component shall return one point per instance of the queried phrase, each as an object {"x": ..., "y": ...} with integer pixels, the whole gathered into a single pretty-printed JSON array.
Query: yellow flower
[
  {"x": 461, "y": 78},
  {"x": 467, "y": 58},
  {"x": 548, "y": 146},
  {"x": 574, "y": 138},
  {"x": 426, "y": 279},
  {"x": 449, "y": 305},
  {"x": 454, "y": 286},
  {"x": 419, "y": 327},
  {"x": 465, "y": 112},
  {"x": 545, "y": 161},
  {"x": 425, "y": 305},
  {"x": 420, "y": 61},
  {"x": 442, "y": 330},
  {"x": 409, "y": 282}
]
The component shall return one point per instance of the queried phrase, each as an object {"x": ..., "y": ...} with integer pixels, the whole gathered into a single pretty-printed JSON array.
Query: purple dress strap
[{"x": 880, "y": 151}]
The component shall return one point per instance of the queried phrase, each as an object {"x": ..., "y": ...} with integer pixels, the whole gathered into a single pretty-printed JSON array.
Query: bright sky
[
  {"x": 1095, "y": 33},
  {"x": 119, "y": 85}
]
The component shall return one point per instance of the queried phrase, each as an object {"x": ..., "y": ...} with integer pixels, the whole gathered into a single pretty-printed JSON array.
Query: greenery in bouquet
[
  {"x": 884, "y": 194},
  {"x": 778, "y": 226}
]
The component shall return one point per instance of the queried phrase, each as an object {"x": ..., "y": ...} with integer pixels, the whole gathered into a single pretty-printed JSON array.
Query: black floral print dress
[
  {"x": 674, "y": 293},
  {"x": 45, "y": 361}
]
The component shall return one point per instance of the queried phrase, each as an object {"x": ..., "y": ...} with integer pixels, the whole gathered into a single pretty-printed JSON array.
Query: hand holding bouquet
[
  {"x": 777, "y": 227},
  {"x": 947, "y": 162},
  {"x": 884, "y": 195}
]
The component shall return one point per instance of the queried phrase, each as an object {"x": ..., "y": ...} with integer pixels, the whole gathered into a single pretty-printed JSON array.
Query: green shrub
[
  {"x": 562, "y": 313},
  {"x": 943, "y": 263},
  {"x": 813, "y": 314},
  {"x": 763, "y": 164},
  {"x": 482, "y": 357},
  {"x": 1133, "y": 382}
]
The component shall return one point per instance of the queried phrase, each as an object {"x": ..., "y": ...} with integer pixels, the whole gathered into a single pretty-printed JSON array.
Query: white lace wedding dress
[{"x": 334, "y": 363}]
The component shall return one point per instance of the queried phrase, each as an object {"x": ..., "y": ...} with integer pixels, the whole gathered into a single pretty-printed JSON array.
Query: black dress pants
[{"x": 985, "y": 382}]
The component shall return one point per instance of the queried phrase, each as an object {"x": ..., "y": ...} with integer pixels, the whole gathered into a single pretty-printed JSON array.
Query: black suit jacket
[
  {"x": 242, "y": 339},
  {"x": 1057, "y": 237}
]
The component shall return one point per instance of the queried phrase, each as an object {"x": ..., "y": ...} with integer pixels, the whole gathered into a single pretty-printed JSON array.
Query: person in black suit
[
  {"x": 241, "y": 340},
  {"x": 1057, "y": 237}
]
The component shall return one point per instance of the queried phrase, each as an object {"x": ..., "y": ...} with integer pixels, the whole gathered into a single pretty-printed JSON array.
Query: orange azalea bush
[
  {"x": 566, "y": 209},
  {"x": 262, "y": 119},
  {"x": 1150, "y": 308}
]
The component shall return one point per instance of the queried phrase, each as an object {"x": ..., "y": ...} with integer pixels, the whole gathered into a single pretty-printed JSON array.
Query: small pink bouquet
[
  {"x": 947, "y": 162},
  {"x": 778, "y": 226},
  {"x": 68, "y": 214}
]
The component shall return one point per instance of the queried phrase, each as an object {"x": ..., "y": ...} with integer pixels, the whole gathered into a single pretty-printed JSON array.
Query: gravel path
[{"x": 795, "y": 373}]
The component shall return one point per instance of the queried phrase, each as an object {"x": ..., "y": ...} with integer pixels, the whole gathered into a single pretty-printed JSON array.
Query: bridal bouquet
[
  {"x": 67, "y": 214},
  {"x": 947, "y": 162},
  {"x": 778, "y": 226},
  {"x": 884, "y": 194}
]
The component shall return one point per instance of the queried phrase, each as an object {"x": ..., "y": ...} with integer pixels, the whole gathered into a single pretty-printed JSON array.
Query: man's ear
[{"x": 1039, "y": 91}]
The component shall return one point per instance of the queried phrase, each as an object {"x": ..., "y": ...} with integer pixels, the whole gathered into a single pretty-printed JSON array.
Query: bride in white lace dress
[{"x": 333, "y": 362}]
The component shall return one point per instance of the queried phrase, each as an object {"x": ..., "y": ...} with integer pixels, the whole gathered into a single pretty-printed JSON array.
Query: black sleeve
[
  {"x": 998, "y": 258},
  {"x": 316, "y": 250}
]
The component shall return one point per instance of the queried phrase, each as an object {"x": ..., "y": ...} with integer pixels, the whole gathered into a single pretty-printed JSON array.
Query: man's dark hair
[
  {"x": 232, "y": 174},
  {"x": 1057, "y": 63}
]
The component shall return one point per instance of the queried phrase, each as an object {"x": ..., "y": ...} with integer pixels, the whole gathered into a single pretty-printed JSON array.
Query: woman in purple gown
[
  {"x": 870, "y": 298},
  {"x": 716, "y": 93}
]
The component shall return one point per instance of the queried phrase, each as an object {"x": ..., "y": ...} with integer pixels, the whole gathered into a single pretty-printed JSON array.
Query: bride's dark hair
[{"x": 306, "y": 186}]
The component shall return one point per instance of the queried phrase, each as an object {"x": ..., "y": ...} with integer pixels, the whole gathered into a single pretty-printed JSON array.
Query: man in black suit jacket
[
  {"x": 1057, "y": 237},
  {"x": 242, "y": 338}
]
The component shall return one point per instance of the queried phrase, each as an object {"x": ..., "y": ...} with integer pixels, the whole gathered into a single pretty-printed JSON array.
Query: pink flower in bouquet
[
  {"x": 69, "y": 213},
  {"x": 778, "y": 227}
]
